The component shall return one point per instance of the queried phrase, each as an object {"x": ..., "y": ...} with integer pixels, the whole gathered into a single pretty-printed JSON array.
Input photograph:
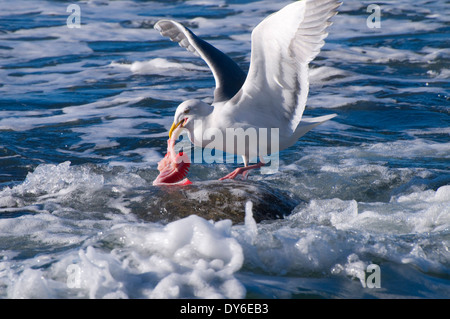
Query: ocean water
[{"x": 84, "y": 115}]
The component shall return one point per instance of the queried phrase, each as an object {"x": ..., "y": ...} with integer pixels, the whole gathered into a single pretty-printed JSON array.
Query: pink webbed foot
[
  {"x": 236, "y": 173},
  {"x": 241, "y": 171}
]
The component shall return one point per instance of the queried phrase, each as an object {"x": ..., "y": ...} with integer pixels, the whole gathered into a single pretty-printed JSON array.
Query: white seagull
[{"x": 274, "y": 92}]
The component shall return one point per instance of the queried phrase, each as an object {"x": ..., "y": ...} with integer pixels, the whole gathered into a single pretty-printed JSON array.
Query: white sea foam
[
  {"x": 188, "y": 258},
  {"x": 160, "y": 66},
  {"x": 194, "y": 257},
  {"x": 306, "y": 242}
]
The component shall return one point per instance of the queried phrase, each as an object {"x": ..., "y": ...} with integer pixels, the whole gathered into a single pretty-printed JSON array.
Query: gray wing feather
[{"x": 228, "y": 76}]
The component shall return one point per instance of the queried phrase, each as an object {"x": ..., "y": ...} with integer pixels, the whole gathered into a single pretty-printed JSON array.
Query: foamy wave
[
  {"x": 190, "y": 258},
  {"x": 159, "y": 66}
]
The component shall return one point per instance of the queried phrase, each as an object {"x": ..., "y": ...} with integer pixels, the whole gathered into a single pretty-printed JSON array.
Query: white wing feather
[{"x": 282, "y": 46}]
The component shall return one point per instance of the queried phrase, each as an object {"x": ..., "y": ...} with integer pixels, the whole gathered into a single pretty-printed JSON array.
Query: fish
[{"x": 173, "y": 168}]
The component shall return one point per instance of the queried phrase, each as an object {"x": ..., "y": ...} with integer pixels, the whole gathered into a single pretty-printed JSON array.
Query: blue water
[{"x": 84, "y": 114}]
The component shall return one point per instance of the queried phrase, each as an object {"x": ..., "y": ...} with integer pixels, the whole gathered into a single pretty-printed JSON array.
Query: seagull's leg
[
  {"x": 245, "y": 173},
  {"x": 237, "y": 171},
  {"x": 243, "y": 170}
]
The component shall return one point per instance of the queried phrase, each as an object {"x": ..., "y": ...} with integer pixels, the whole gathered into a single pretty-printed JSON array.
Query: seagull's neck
[{"x": 197, "y": 129}]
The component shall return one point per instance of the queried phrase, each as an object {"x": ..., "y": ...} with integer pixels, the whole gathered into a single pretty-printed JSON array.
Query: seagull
[{"x": 274, "y": 92}]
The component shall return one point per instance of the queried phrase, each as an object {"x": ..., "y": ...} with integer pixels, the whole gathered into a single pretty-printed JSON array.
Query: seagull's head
[{"x": 185, "y": 115}]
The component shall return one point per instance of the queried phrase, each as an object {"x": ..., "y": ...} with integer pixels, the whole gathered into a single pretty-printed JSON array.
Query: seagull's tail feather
[{"x": 307, "y": 124}]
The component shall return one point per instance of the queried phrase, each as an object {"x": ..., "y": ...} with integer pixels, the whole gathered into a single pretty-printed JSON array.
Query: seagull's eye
[{"x": 186, "y": 111}]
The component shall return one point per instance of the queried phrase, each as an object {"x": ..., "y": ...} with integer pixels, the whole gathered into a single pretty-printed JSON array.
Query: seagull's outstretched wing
[
  {"x": 282, "y": 46},
  {"x": 228, "y": 75}
]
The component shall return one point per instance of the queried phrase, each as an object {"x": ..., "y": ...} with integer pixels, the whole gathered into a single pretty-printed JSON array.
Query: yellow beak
[{"x": 174, "y": 127}]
